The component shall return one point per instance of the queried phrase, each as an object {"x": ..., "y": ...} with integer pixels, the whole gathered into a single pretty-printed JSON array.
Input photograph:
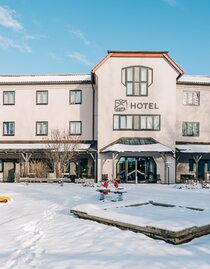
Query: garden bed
[{"x": 168, "y": 222}]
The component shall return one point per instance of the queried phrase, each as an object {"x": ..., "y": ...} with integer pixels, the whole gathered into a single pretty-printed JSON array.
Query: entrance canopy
[
  {"x": 193, "y": 148},
  {"x": 136, "y": 145}
]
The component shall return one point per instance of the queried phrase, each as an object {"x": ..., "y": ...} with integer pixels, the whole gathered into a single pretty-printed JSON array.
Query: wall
[
  {"x": 191, "y": 113},
  {"x": 58, "y": 112},
  {"x": 162, "y": 93}
]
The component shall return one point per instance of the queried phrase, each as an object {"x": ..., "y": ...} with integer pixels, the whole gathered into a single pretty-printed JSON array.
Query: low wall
[{"x": 172, "y": 237}]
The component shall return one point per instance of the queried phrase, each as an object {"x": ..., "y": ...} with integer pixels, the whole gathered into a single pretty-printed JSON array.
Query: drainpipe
[
  {"x": 93, "y": 126},
  {"x": 93, "y": 118}
]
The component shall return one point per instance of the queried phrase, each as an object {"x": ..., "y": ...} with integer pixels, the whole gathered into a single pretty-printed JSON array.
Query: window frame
[
  {"x": 125, "y": 80},
  {"x": 39, "y": 122},
  {"x": 133, "y": 124},
  {"x": 38, "y": 92},
  {"x": 185, "y": 132},
  {"x": 187, "y": 98},
  {"x": 8, "y": 104},
  {"x": 70, "y": 122},
  {"x": 9, "y": 122},
  {"x": 75, "y": 103}
]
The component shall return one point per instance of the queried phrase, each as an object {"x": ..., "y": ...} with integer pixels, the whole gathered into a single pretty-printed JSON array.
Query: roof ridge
[{"x": 137, "y": 51}]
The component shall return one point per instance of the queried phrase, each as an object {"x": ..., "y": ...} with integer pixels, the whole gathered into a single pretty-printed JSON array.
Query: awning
[
  {"x": 38, "y": 147},
  {"x": 193, "y": 148},
  {"x": 135, "y": 145}
]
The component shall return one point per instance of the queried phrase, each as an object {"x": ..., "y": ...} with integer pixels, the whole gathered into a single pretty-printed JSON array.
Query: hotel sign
[{"x": 121, "y": 105}]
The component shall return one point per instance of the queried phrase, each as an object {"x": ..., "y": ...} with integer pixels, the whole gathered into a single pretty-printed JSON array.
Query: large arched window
[{"x": 137, "y": 79}]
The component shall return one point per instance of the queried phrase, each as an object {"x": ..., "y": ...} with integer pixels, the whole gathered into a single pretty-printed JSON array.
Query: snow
[
  {"x": 195, "y": 79},
  {"x": 194, "y": 148},
  {"x": 172, "y": 218},
  {"x": 157, "y": 147},
  {"x": 38, "y": 230},
  {"x": 45, "y": 78},
  {"x": 79, "y": 146}
]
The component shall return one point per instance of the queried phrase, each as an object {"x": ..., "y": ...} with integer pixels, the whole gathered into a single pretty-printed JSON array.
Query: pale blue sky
[{"x": 72, "y": 36}]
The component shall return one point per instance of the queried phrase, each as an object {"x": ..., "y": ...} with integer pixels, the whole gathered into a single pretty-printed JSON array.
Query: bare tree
[
  {"x": 61, "y": 148},
  {"x": 39, "y": 169}
]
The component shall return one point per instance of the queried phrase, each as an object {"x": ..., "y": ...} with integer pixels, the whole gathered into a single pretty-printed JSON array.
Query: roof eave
[
  {"x": 44, "y": 79},
  {"x": 155, "y": 54},
  {"x": 45, "y": 82},
  {"x": 173, "y": 64},
  {"x": 193, "y": 83}
]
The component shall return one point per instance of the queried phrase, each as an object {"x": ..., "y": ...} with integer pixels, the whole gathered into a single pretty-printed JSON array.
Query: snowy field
[{"x": 38, "y": 230}]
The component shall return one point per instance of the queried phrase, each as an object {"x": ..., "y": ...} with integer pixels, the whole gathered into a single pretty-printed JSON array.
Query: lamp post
[{"x": 168, "y": 164}]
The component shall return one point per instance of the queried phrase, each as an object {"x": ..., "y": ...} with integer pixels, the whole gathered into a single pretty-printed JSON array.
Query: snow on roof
[
  {"x": 192, "y": 148},
  {"x": 9, "y": 147},
  {"x": 194, "y": 79},
  {"x": 156, "y": 147},
  {"x": 6, "y": 79}
]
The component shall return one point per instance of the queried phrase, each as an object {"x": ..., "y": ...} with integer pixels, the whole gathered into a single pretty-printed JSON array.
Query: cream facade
[
  {"x": 136, "y": 115},
  {"x": 57, "y": 111},
  {"x": 193, "y": 130},
  {"x": 153, "y": 104},
  {"x": 33, "y": 106}
]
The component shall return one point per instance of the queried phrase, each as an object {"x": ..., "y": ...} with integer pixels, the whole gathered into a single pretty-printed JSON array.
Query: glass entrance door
[
  {"x": 141, "y": 169},
  {"x": 137, "y": 169},
  {"x": 131, "y": 169}
]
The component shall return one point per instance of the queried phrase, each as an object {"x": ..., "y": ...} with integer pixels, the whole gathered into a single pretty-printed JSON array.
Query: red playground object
[
  {"x": 105, "y": 185},
  {"x": 116, "y": 184}
]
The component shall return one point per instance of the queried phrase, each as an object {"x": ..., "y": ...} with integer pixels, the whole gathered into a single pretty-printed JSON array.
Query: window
[
  {"x": 8, "y": 128},
  {"x": 137, "y": 79},
  {"x": 136, "y": 122},
  {"x": 75, "y": 97},
  {"x": 75, "y": 127},
  {"x": 191, "y": 165},
  {"x": 1, "y": 166},
  {"x": 41, "y": 97},
  {"x": 190, "y": 128},
  {"x": 9, "y": 98},
  {"x": 208, "y": 165},
  {"x": 191, "y": 98},
  {"x": 41, "y": 128}
]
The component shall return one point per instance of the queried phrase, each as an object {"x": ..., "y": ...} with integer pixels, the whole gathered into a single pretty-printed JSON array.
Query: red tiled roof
[{"x": 147, "y": 54}]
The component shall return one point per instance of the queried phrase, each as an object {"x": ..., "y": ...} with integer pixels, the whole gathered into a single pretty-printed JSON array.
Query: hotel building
[{"x": 137, "y": 116}]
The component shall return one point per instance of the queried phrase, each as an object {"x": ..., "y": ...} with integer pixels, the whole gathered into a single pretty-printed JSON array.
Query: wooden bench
[{"x": 39, "y": 180}]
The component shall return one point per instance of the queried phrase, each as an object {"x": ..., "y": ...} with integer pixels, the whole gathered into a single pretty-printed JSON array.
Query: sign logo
[{"x": 120, "y": 105}]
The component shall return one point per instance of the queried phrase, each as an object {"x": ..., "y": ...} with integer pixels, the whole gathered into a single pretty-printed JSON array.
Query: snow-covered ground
[{"x": 37, "y": 229}]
